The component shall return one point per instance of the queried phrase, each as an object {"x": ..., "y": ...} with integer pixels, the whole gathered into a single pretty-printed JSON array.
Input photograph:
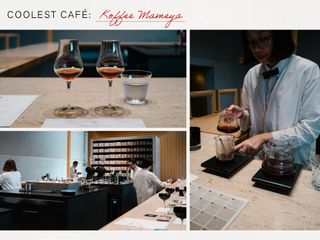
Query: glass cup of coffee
[
  {"x": 135, "y": 85},
  {"x": 225, "y": 147}
]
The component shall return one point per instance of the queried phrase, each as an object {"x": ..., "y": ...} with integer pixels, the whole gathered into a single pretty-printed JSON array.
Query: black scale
[
  {"x": 226, "y": 168},
  {"x": 282, "y": 184}
]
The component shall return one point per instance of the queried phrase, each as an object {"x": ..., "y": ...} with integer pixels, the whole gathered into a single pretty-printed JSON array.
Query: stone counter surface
[
  {"x": 166, "y": 107},
  {"x": 266, "y": 210}
]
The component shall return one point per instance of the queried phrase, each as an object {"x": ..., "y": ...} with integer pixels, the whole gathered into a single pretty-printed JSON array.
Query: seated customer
[
  {"x": 10, "y": 178},
  {"x": 146, "y": 183}
]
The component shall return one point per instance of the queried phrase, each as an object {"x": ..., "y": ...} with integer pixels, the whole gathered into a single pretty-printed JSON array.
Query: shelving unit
[{"x": 114, "y": 153}]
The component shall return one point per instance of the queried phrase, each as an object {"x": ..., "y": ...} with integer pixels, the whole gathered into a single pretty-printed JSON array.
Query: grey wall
[
  {"x": 220, "y": 49},
  {"x": 27, "y": 37},
  {"x": 38, "y": 36},
  {"x": 37, "y": 153},
  {"x": 309, "y": 45},
  {"x": 122, "y": 35}
]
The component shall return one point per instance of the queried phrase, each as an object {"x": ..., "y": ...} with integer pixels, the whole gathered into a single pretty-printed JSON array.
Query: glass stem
[
  {"x": 68, "y": 107},
  {"x": 109, "y": 91}
]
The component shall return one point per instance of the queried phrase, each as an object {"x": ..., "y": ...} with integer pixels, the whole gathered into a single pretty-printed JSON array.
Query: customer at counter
[
  {"x": 280, "y": 96},
  {"x": 10, "y": 178},
  {"x": 146, "y": 183},
  {"x": 134, "y": 168}
]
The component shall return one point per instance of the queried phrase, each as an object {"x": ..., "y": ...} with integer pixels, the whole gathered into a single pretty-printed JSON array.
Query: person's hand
[
  {"x": 169, "y": 180},
  {"x": 234, "y": 110},
  {"x": 254, "y": 143}
]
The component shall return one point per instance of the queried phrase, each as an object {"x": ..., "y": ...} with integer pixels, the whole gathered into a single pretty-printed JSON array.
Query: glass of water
[
  {"x": 135, "y": 85},
  {"x": 316, "y": 173}
]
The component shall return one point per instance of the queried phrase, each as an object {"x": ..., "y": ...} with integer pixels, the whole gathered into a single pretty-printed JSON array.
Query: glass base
[
  {"x": 72, "y": 112},
  {"x": 109, "y": 111},
  {"x": 135, "y": 101}
]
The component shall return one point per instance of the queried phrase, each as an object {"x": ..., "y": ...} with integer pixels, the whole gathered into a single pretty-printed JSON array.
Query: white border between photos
[{"x": 199, "y": 14}]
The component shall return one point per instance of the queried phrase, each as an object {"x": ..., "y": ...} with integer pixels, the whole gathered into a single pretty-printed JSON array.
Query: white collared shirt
[
  {"x": 146, "y": 184},
  {"x": 134, "y": 172},
  {"x": 292, "y": 111}
]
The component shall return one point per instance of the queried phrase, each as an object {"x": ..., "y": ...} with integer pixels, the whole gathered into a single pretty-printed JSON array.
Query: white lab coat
[
  {"x": 134, "y": 172},
  {"x": 73, "y": 172},
  {"x": 10, "y": 180},
  {"x": 293, "y": 110},
  {"x": 146, "y": 184}
]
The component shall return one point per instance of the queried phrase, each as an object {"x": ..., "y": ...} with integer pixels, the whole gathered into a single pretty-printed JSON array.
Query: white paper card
[
  {"x": 162, "y": 210},
  {"x": 142, "y": 223},
  {"x": 11, "y": 107},
  {"x": 94, "y": 123},
  {"x": 193, "y": 177}
]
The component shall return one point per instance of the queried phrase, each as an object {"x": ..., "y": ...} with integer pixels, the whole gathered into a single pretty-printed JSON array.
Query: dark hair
[
  {"x": 146, "y": 163},
  {"x": 75, "y": 163},
  {"x": 132, "y": 161},
  {"x": 9, "y": 166},
  {"x": 283, "y": 46},
  {"x": 90, "y": 172}
]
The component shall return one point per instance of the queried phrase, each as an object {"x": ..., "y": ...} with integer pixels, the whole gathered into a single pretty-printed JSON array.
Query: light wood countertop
[
  {"x": 149, "y": 206},
  {"x": 166, "y": 107},
  {"x": 266, "y": 210}
]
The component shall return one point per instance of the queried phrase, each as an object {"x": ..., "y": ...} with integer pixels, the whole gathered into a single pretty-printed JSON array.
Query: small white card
[
  {"x": 162, "y": 210},
  {"x": 94, "y": 123},
  {"x": 142, "y": 223},
  {"x": 11, "y": 107},
  {"x": 193, "y": 177}
]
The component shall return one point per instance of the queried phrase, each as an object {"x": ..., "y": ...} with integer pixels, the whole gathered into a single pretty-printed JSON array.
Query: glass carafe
[
  {"x": 278, "y": 160},
  {"x": 228, "y": 123}
]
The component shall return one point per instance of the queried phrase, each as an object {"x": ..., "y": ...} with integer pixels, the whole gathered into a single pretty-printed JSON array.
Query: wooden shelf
[{"x": 114, "y": 154}]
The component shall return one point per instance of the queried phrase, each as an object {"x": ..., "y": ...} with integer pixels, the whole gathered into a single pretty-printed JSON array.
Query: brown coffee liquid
[
  {"x": 69, "y": 74},
  {"x": 225, "y": 156},
  {"x": 228, "y": 129},
  {"x": 110, "y": 72},
  {"x": 278, "y": 167}
]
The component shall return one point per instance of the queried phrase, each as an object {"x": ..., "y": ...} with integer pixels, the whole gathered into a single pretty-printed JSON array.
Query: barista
[
  {"x": 73, "y": 169},
  {"x": 134, "y": 168},
  {"x": 11, "y": 177},
  {"x": 146, "y": 183},
  {"x": 280, "y": 96}
]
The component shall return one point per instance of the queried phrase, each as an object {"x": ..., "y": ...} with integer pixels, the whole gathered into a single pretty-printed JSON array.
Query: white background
[{"x": 197, "y": 14}]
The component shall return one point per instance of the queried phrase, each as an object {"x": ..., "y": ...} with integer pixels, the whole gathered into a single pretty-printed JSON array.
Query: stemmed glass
[
  {"x": 110, "y": 65},
  {"x": 68, "y": 65},
  {"x": 164, "y": 196},
  {"x": 170, "y": 191},
  {"x": 180, "y": 212}
]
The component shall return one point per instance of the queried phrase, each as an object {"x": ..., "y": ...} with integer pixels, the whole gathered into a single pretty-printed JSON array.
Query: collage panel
[
  {"x": 93, "y": 78},
  {"x": 93, "y": 180},
  {"x": 254, "y": 130}
]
